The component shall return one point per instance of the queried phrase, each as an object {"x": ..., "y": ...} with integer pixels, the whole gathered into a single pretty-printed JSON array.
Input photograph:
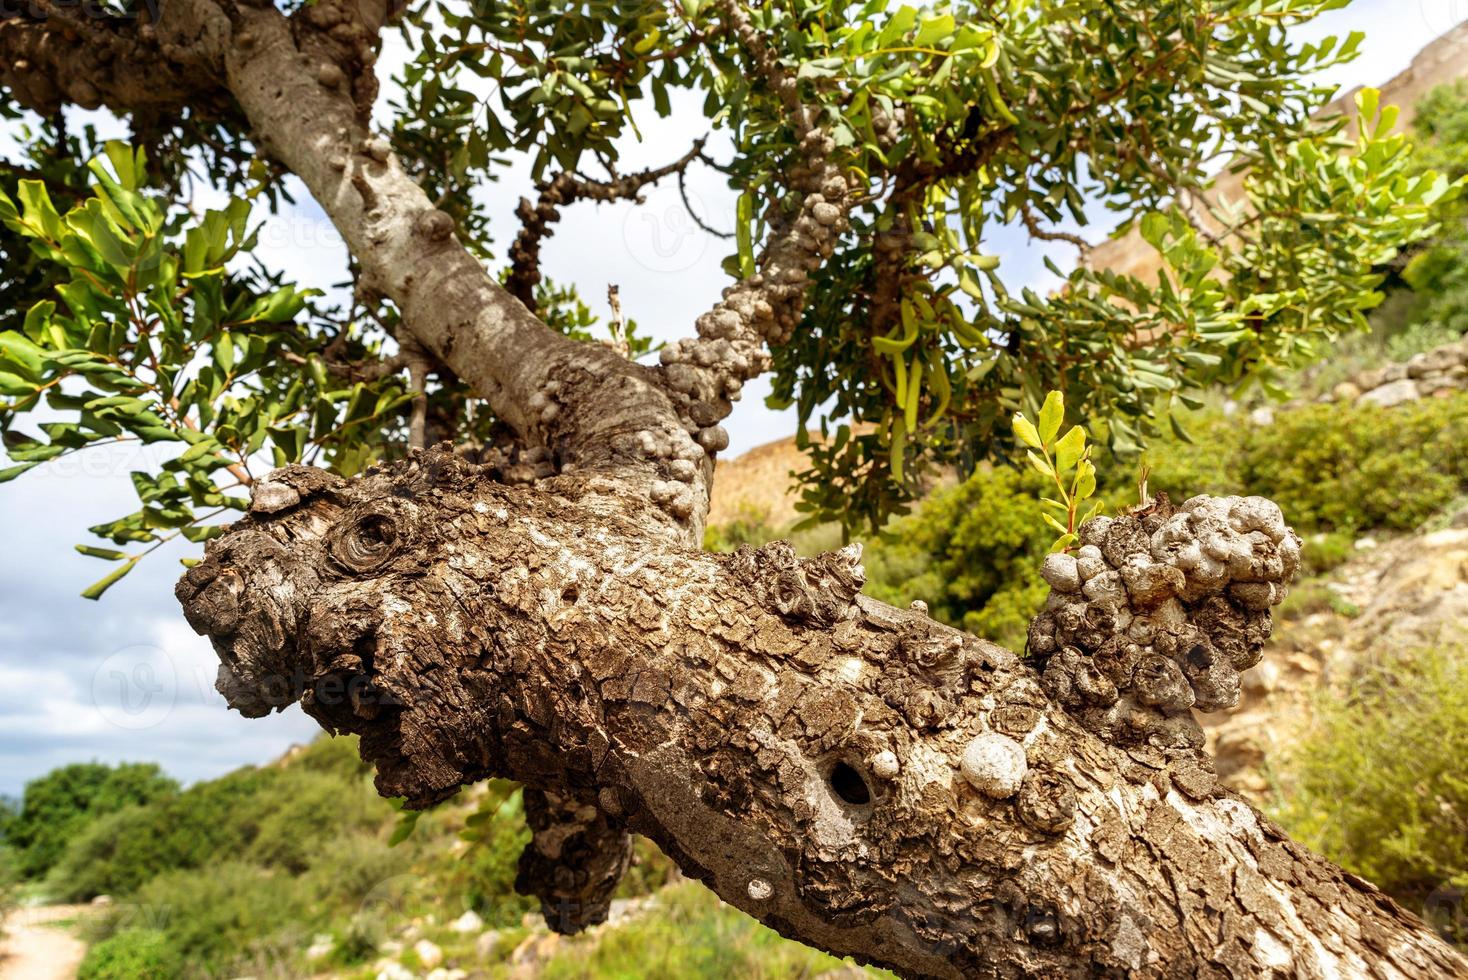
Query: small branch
[
  {"x": 1032, "y": 225},
  {"x": 418, "y": 362},
  {"x": 618, "y": 325},
  {"x": 536, "y": 219},
  {"x": 688, "y": 205}
]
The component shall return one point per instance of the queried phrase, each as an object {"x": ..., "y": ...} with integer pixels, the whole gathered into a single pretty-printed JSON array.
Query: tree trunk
[{"x": 856, "y": 776}]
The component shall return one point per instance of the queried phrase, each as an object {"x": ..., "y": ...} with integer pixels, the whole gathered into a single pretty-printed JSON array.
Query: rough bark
[{"x": 854, "y": 775}]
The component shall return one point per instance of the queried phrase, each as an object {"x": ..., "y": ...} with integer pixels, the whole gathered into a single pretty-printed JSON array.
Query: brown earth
[{"x": 38, "y": 943}]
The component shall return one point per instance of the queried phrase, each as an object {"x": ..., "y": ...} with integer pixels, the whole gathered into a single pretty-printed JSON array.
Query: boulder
[{"x": 1393, "y": 393}]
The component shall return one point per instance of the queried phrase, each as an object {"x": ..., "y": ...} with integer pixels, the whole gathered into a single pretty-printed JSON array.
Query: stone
[
  {"x": 994, "y": 765},
  {"x": 320, "y": 948},
  {"x": 1439, "y": 385},
  {"x": 884, "y": 764},
  {"x": 1392, "y": 393},
  {"x": 428, "y": 953},
  {"x": 1264, "y": 415},
  {"x": 392, "y": 970},
  {"x": 1263, "y": 679},
  {"x": 1346, "y": 392},
  {"x": 468, "y": 922},
  {"x": 1432, "y": 362}
]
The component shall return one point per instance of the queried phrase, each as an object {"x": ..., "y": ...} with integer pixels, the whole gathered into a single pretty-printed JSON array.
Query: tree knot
[
  {"x": 1159, "y": 612},
  {"x": 820, "y": 590}
]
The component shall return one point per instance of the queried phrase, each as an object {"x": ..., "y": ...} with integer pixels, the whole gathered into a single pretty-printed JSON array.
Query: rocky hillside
[{"x": 1393, "y": 596}]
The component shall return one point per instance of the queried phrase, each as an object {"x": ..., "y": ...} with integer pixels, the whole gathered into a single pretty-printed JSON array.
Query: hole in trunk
[{"x": 849, "y": 785}]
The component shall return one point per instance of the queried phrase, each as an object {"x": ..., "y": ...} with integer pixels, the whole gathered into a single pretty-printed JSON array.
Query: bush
[
  {"x": 117, "y": 854},
  {"x": 235, "y": 915},
  {"x": 131, "y": 954},
  {"x": 1342, "y": 468},
  {"x": 273, "y": 817},
  {"x": 1378, "y": 784},
  {"x": 60, "y": 804},
  {"x": 689, "y": 934},
  {"x": 971, "y": 552}
]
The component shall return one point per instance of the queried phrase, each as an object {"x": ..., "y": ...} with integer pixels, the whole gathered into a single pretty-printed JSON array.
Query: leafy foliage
[
  {"x": 1064, "y": 461},
  {"x": 1437, "y": 273},
  {"x": 973, "y": 551},
  {"x": 1051, "y": 106},
  {"x": 270, "y": 817},
  {"x": 1378, "y": 784},
  {"x": 60, "y": 804},
  {"x": 129, "y": 954},
  {"x": 966, "y": 121},
  {"x": 151, "y": 339}
]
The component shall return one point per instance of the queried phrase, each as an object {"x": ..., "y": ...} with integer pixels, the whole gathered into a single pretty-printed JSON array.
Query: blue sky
[{"x": 125, "y": 679}]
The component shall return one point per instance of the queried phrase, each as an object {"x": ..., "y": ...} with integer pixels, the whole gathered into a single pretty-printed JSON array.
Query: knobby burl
[{"x": 853, "y": 774}]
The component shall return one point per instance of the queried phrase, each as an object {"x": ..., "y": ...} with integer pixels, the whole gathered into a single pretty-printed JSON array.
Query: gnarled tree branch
[
  {"x": 855, "y": 776},
  {"x": 566, "y": 188}
]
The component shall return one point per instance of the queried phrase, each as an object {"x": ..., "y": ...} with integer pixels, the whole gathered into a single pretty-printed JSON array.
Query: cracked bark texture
[{"x": 855, "y": 776}]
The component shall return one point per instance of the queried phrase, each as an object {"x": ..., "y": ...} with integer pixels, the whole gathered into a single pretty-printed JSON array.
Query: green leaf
[
  {"x": 95, "y": 590},
  {"x": 1026, "y": 430},
  {"x": 1069, "y": 448},
  {"x": 1063, "y": 542},
  {"x": 1052, "y": 413},
  {"x": 1038, "y": 462},
  {"x": 107, "y": 554},
  {"x": 744, "y": 232},
  {"x": 1155, "y": 226},
  {"x": 11, "y": 472},
  {"x": 1086, "y": 480},
  {"x": 407, "y": 821}
]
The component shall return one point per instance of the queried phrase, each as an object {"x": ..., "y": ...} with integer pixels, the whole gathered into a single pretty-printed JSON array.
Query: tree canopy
[{"x": 130, "y": 315}]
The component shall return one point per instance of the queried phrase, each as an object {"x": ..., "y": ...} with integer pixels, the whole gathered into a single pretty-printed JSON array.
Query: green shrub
[
  {"x": 1358, "y": 467},
  {"x": 273, "y": 817},
  {"x": 972, "y": 552},
  {"x": 485, "y": 875},
  {"x": 117, "y": 854},
  {"x": 232, "y": 915},
  {"x": 130, "y": 955},
  {"x": 690, "y": 935},
  {"x": 286, "y": 820},
  {"x": 60, "y": 804},
  {"x": 1341, "y": 468},
  {"x": 1378, "y": 784},
  {"x": 1324, "y": 551}
]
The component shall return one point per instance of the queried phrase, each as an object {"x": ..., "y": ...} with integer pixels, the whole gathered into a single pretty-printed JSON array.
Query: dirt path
[{"x": 35, "y": 948}]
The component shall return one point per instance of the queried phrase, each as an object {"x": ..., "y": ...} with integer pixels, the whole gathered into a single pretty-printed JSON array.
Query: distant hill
[{"x": 757, "y": 485}]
